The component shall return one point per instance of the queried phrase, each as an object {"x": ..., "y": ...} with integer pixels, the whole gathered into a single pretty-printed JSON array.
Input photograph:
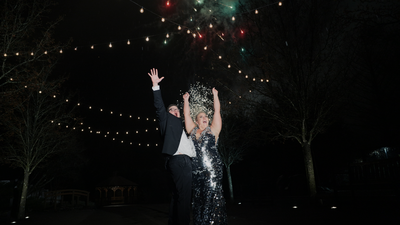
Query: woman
[{"x": 208, "y": 200}]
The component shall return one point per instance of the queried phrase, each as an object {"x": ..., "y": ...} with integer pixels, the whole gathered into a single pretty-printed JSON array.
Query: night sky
[{"x": 115, "y": 79}]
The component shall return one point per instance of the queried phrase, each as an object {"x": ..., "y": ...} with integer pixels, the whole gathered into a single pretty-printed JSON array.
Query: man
[{"x": 178, "y": 150}]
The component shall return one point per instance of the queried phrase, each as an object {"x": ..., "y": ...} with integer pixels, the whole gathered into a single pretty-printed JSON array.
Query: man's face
[{"x": 174, "y": 111}]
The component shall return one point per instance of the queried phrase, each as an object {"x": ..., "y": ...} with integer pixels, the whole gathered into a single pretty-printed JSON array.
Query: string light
[
  {"x": 256, "y": 11},
  {"x": 110, "y": 45},
  {"x": 167, "y": 36},
  {"x": 147, "y": 38},
  {"x": 128, "y": 43}
]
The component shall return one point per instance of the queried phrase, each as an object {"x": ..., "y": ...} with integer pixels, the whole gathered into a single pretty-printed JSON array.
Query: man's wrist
[{"x": 156, "y": 87}]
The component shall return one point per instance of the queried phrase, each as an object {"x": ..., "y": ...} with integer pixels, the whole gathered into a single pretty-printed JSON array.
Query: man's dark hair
[{"x": 170, "y": 105}]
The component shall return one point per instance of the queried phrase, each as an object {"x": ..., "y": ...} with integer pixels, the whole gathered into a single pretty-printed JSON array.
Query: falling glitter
[{"x": 200, "y": 100}]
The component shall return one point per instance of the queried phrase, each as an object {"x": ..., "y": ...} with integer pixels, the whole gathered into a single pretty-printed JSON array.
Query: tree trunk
[
  {"x": 21, "y": 212},
  {"x": 228, "y": 171},
  {"x": 309, "y": 165}
]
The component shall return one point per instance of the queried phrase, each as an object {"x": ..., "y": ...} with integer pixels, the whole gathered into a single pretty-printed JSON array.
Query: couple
[{"x": 200, "y": 168}]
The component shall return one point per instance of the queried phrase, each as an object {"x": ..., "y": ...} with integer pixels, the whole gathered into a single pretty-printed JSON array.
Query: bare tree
[
  {"x": 30, "y": 112},
  {"x": 36, "y": 129},
  {"x": 297, "y": 64},
  {"x": 233, "y": 143}
]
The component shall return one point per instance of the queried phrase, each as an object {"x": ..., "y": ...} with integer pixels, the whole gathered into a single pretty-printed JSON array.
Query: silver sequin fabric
[{"x": 208, "y": 200}]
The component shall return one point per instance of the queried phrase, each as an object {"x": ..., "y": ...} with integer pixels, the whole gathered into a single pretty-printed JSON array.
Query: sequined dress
[{"x": 208, "y": 200}]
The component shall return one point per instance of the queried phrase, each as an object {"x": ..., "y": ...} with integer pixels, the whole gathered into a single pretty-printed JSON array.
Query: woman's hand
[
  {"x": 186, "y": 96},
  {"x": 214, "y": 91}
]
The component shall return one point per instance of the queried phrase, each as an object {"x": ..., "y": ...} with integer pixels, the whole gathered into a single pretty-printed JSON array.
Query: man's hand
[{"x": 154, "y": 77}]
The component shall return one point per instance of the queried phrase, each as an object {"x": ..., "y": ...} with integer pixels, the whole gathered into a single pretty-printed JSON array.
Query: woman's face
[{"x": 202, "y": 120}]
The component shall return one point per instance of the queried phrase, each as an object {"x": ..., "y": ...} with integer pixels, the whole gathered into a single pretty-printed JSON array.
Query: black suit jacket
[{"x": 171, "y": 127}]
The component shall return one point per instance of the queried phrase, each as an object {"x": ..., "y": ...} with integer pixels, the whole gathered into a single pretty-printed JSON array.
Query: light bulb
[
  {"x": 128, "y": 42},
  {"x": 61, "y": 51},
  {"x": 188, "y": 31},
  {"x": 211, "y": 25},
  {"x": 256, "y": 12},
  {"x": 205, "y": 47},
  {"x": 220, "y": 57},
  {"x": 162, "y": 20},
  {"x": 92, "y": 47},
  {"x": 233, "y": 18},
  {"x": 147, "y": 38},
  {"x": 141, "y": 10},
  {"x": 110, "y": 45},
  {"x": 280, "y": 4},
  {"x": 229, "y": 66},
  {"x": 17, "y": 54},
  {"x": 179, "y": 27},
  {"x": 167, "y": 35}
]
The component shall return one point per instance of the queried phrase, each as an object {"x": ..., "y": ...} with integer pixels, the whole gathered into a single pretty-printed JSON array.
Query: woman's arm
[
  {"x": 217, "y": 120},
  {"x": 189, "y": 124}
]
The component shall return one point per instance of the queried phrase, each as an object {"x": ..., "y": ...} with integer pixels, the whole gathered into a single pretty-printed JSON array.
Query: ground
[{"x": 266, "y": 213}]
